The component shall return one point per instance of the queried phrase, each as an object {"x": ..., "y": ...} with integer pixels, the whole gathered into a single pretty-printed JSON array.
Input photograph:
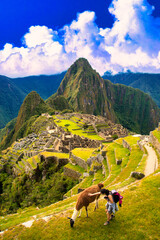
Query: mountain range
[
  {"x": 84, "y": 90},
  {"x": 14, "y": 90},
  {"x": 146, "y": 82}
]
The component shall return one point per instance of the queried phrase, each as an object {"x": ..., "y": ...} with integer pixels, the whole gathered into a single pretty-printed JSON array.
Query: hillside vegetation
[
  {"x": 14, "y": 90},
  {"x": 146, "y": 82},
  {"x": 140, "y": 206}
]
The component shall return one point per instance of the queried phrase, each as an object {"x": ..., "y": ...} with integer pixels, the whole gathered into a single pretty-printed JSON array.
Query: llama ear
[{"x": 100, "y": 185}]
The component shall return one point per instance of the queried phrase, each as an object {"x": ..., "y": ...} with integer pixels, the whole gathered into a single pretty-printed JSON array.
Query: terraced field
[
  {"x": 131, "y": 221},
  {"x": 114, "y": 177}
]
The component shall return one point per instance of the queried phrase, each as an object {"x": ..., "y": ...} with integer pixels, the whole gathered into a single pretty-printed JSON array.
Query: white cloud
[{"x": 132, "y": 43}]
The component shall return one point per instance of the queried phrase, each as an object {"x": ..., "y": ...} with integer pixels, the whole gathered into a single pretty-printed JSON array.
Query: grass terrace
[
  {"x": 131, "y": 140},
  {"x": 124, "y": 178},
  {"x": 59, "y": 155},
  {"x": 114, "y": 168},
  {"x": 83, "y": 153},
  {"x": 156, "y": 133},
  {"x": 75, "y": 168},
  {"x": 76, "y": 128}
]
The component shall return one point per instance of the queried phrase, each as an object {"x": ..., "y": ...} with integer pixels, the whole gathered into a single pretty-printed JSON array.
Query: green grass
[
  {"x": 124, "y": 178},
  {"x": 114, "y": 168},
  {"x": 131, "y": 140},
  {"x": 98, "y": 177},
  {"x": 156, "y": 133},
  {"x": 59, "y": 155},
  {"x": 136, "y": 220},
  {"x": 30, "y": 161},
  {"x": 76, "y": 128},
  {"x": 75, "y": 168},
  {"x": 83, "y": 153}
]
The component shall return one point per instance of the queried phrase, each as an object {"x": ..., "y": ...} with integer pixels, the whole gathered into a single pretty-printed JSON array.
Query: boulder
[
  {"x": 90, "y": 160},
  {"x": 118, "y": 161},
  {"x": 99, "y": 158},
  {"x": 137, "y": 175}
]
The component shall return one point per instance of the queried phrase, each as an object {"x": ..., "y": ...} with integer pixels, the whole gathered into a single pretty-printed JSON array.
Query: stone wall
[
  {"x": 79, "y": 161},
  {"x": 30, "y": 154},
  {"x": 140, "y": 145},
  {"x": 126, "y": 145},
  {"x": 154, "y": 141},
  {"x": 118, "y": 160},
  {"x": 71, "y": 173}
]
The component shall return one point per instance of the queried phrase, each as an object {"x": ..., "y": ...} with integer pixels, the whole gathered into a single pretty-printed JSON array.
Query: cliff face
[
  {"x": 134, "y": 109},
  {"x": 87, "y": 92},
  {"x": 84, "y": 89}
]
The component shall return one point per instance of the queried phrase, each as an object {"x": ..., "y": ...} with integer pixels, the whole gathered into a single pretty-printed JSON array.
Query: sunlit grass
[
  {"x": 56, "y": 154},
  {"x": 131, "y": 140},
  {"x": 76, "y": 128},
  {"x": 135, "y": 158},
  {"x": 156, "y": 133},
  {"x": 136, "y": 220},
  {"x": 83, "y": 153},
  {"x": 75, "y": 168}
]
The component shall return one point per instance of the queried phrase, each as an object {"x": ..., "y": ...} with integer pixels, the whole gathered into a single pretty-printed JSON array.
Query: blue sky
[{"x": 46, "y": 37}]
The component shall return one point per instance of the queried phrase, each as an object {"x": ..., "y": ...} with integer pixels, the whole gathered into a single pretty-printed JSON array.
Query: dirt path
[{"x": 152, "y": 161}]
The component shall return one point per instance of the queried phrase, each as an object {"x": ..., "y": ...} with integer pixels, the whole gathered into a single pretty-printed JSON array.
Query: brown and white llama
[{"x": 84, "y": 200}]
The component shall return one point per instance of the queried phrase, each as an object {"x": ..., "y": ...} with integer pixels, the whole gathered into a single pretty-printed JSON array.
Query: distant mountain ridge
[
  {"x": 146, "y": 82},
  {"x": 11, "y": 98},
  {"x": 14, "y": 90}
]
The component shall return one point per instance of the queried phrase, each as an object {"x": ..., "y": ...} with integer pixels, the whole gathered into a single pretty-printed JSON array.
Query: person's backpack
[{"x": 117, "y": 197}]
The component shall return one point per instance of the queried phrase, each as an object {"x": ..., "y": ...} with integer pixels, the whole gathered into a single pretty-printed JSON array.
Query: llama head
[
  {"x": 100, "y": 185},
  {"x": 71, "y": 221}
]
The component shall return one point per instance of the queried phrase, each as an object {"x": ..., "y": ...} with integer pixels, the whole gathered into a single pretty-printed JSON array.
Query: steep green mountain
[
  {"x": 33, "y": 105},
  {"x": 147, "y": 82},
  {"x": 31, "y": 108},
  {"x": 13, "y": 92},
  {"x": 86, "y": 91},
  {"x": 58, "y": 103},
  {"x": 11, "y": 98},
  {"x": 7, "y": 129},
  {"x": 134, "y": 109}
]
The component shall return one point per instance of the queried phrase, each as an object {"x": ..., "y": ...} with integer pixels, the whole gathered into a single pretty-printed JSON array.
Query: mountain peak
[
  {"x": 33, "y": 105},
  {"x": 83, "y": 87}
]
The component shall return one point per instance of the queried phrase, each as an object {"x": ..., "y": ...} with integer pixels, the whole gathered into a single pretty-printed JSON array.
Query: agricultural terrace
[{"x": 76, "y": 126}]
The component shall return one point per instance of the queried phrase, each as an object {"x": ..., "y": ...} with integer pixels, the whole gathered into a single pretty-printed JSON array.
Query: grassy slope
[{"x": 136, "y": 220}]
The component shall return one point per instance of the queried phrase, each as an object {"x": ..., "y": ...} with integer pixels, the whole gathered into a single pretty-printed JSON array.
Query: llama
[{"x": 84, "y": 200}]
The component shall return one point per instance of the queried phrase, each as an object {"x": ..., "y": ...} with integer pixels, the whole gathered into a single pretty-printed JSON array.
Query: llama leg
[
  {"x": 96, "y": 206},
  {"x": 86, "y": 211},
  {"x": 80, "y": 213}
]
